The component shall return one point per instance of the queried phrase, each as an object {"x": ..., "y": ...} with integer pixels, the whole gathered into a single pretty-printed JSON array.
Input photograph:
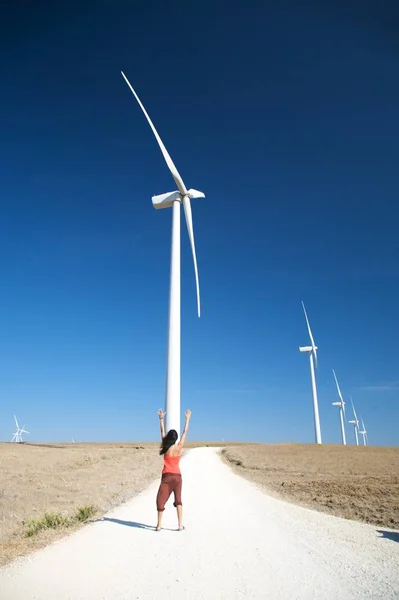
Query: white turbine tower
[
  {"x": 17, "y": 437},
  {"x": 174, "y": 200},
  {"x": 312, "y": 351},
  {"x": 341, "y": 405},
  {"x": 355, "y": 423},
  {"x": 363, "y": 433}
]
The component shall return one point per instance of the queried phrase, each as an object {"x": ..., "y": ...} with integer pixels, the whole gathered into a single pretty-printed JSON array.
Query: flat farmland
[
  {"x": 354, "y": 482},
  {"x": 61, "y": 478}
]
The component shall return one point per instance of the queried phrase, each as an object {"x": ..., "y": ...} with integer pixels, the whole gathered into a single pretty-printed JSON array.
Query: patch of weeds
[
  {"x": 48, "y": 521},
  {"x": 85, "y": 512},
  {"x": 57, "y": 520}
]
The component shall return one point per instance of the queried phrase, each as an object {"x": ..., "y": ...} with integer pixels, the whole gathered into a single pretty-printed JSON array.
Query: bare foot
[{"x": 181, "y": 528}]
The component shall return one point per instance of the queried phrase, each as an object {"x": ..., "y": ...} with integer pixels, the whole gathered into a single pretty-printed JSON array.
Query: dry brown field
[
  {"x": 60, "y": 478},
  {"x": 89, "y": 479},
  {"x": 354, "y": 482}
]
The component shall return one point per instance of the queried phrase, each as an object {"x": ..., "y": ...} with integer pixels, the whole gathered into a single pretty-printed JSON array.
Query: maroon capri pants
[{"x": 170, "y": 482}]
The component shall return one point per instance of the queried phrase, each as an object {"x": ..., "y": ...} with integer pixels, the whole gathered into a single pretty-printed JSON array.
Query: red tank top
[{"x": 171, "y": 464}]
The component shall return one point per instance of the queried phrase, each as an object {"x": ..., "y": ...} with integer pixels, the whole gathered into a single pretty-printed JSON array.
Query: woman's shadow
[
  {"x": 130, "y": 524},
  {"x": 389, "y": 535}
]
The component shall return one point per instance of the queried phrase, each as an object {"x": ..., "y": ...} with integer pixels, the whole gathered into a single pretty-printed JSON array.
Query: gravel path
[{"x": 239, "y": 543}]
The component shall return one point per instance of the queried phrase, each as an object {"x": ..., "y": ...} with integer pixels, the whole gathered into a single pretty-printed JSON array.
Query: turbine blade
[
  {"x": 339, "y": 391},
  {"x": 172, "y": 168},
  {"x": 189, "y": 221},
  {"x": 307, "y": 322},
  {"x": 310, "y": 334},
  {"x": 354, "y": 412},
  {"x": 16, "y": 422}
]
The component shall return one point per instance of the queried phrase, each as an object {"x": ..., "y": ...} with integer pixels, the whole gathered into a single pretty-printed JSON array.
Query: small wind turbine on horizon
[
  {"x": 355, "y": 422},
  {"x": 17, "y": 437},
  {"x": 341, "y": 405},
  {"x": 312, "y": 351},
  {"x": 363, "y": 433},
  {"x": 174, "y": 200}
]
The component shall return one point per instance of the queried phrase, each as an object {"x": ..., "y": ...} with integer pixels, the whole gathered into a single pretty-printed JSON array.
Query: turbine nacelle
[
  {"x": 166, "y": 200},
  {"x": 307, "y": 348}
]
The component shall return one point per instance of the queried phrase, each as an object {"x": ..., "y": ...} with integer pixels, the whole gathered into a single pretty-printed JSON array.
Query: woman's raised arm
[
  {"x": 187, "y": 414},
  {"x": 161, "y": 416}
]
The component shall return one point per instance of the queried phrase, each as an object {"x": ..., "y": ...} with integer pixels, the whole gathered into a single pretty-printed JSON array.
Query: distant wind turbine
[
  {"x": 312, "y": 351},
  {"x": 17, "y": 437},
  {"x": 355, "y": 423},
  {"x": 363, "y": 433},
  {"x": 174, "y": 200},
  {"x": 341, "y": 405}
]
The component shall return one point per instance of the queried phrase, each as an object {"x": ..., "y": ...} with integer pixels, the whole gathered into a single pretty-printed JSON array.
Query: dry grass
[
  {"x": 46, "y": 489},
  {"x": 359, "y": 483}
]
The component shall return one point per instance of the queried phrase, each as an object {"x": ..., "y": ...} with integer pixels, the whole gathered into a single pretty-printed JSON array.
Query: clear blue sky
[{"x": 286, "y": 115}]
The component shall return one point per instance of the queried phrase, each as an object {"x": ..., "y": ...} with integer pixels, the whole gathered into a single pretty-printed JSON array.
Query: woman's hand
[
  {"x": 187, "y": 414},
  {"x": 161, "y": 414}
]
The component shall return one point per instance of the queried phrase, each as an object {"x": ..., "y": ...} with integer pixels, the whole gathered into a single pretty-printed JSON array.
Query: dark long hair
[{"x": 168, "y": 441}]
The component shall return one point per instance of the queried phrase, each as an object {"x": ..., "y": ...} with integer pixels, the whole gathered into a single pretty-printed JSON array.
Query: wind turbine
[
  {"x": 363, "y": 433},
  {"x": 17, "y": 437},
  {"x": 355, "y": 423},
  {"x": 174, "y": 200},
  {"x": 341, "y": 405},
  {"x": 312, "y": 351}
]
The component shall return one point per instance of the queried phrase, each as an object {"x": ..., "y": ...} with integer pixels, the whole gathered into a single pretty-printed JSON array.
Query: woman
[{"x": 171, "y": 476}]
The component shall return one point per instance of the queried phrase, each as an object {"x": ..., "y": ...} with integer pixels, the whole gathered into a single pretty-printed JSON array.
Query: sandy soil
[
  {"x": 359, "y": 483},
  {"x": 238, "y": 543}
]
